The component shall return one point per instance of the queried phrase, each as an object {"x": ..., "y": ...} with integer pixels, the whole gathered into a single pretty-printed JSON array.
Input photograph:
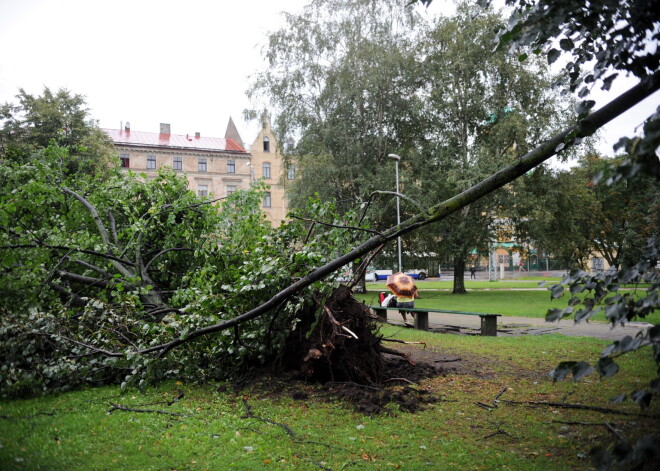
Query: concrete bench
[{"x": 488, "y": 321}]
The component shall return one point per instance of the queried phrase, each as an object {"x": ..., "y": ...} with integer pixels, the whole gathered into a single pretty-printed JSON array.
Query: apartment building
[{"x": 214, "y": 166}]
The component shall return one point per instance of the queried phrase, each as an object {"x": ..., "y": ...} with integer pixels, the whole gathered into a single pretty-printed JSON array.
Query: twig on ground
[
  {"x": 496, "y": 398},
  {"x": 398, "y": 354},
  {"x": 155, "y": 411},
  {"x": 484, "y": 406},
  {"x": 499, "y": 432},
  {"x": 563, "y": 399},
  {"x": 250, "y": 415},
  {"x": 398, "y": 379},
  {"x": 448, "y": 361},
  {"x": 607, "y": 425},
  {"x": 9, "y": 417},
  {"x": 355, "y": 384},
  {"x": 169, "y": 403},
  {"x": 564, "y": 405}
]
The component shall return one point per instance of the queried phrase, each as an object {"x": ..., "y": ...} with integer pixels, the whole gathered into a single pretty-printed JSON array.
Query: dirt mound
[{"x": 339, "y": 344}]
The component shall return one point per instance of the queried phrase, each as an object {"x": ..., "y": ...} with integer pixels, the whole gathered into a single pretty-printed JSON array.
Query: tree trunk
[
  {"x": 360, "y": 286},
  {"x": 459, "y": 276}
]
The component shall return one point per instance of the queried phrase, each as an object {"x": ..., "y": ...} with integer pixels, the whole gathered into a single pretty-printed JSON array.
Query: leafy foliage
[
  {"x": 602, "y": 40},
  {"x": 620, "y": 307},
  {"x": 29, "y": 126},
  {"x": 97, "y": 270}
]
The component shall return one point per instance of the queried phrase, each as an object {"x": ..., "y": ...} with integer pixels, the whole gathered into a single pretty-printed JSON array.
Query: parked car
[{"x": 416, "y": 274}]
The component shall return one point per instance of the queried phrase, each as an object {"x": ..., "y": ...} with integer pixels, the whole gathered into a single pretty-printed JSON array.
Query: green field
[
  {"x": 77, "y": 431},
  {"x": 523, "y": 303},
  {"x": 449, "y": 284}
]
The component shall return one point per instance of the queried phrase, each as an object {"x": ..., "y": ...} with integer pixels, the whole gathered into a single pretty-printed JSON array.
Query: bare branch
[
  {"x": 100, "y": 226},
  {"x": 38, "y": 244},
  {"x": 371, "y": 231},
  {"x": 400, "y": 195}
]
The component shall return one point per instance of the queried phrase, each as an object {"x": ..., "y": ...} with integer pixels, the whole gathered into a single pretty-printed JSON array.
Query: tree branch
[
  {"x": 163, "y": 252},
  {"x": 101, "y": 228}
]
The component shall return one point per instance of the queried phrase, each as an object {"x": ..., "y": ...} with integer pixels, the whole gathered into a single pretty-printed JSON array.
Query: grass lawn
[
  {"x": 507, "y": 303},
  {"x": 477, "y": 284},
  {"x": 75, "y": 431}
]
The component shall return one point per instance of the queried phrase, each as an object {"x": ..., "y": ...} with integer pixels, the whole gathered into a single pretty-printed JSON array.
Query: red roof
[{"x": 177, "y": 141}]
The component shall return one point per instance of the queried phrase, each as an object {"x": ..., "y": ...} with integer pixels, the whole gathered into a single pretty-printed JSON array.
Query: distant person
[
  {"x": 473, "y": 273},
  {"x": 522, "y": 268},
  {"x": 403, "y": 287}
]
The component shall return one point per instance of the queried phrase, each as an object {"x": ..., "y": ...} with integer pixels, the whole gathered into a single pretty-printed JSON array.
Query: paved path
[{"x": 512, "y": 326}]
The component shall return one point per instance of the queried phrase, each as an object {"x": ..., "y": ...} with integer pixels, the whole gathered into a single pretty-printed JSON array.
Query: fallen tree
[{"x": 135, "y": 310}]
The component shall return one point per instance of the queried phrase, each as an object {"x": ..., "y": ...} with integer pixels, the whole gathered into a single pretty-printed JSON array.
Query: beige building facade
[
  {"x": 214, "y": 167},
  {"x": 267, "y": 165}
]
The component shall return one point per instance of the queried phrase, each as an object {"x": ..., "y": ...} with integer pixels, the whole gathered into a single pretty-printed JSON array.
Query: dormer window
[{"x": 266, "y": 144}]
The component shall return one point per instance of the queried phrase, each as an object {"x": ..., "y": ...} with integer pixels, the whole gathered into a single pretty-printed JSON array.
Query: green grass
[
  {"x": 449, "y": 284},
  {"x": 506, "y": 303},
  {"x": 74, "y": 431}
]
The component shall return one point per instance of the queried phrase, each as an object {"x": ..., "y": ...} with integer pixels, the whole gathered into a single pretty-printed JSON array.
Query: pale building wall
[
  {"x": 217, "y": 179},
  {"x": 268, "y": 154}
]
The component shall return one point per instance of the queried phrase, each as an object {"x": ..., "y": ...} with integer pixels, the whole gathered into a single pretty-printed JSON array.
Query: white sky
[{"x": 185, "y": 63}]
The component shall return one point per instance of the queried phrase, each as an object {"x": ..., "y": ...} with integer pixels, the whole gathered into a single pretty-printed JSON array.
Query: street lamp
[{"x": 398, "y": 213}]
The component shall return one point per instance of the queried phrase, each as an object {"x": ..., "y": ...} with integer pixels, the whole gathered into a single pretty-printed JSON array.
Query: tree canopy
[{"x": 34, "y": 121}]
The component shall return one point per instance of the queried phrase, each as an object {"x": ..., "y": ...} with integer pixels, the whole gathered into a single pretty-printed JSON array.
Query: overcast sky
[{"x": 152, "y": 61}]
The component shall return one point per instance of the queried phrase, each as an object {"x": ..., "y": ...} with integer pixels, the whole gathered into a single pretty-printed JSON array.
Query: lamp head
[{"x": 394, "y": 156}]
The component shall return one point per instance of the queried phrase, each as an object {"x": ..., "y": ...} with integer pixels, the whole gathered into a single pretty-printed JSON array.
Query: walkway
[{"x": 513, "y": 326}]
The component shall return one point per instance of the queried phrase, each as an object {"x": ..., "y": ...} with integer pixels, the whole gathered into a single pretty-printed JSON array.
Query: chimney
[
  {"x": 164, "y": 128},
  {"x": 197, "y": 135},
  {"x": 128, "y": 126}
]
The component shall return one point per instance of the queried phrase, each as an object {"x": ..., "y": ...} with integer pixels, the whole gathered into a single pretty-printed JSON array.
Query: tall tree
[
  {"x": 343, "y": 78},
  {"x": 483, "y": 109},
  {"x": 34, "y": 121}
]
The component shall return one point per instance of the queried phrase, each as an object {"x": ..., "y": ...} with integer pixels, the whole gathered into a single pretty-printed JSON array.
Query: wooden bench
[{"x": 488, "y": 321}]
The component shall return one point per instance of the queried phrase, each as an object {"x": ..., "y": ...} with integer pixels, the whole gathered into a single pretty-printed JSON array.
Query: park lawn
[
  {"x": 479, "y": 284},
  {"x": 75, "y": 431},
  {"x": 521, "y": 303}
]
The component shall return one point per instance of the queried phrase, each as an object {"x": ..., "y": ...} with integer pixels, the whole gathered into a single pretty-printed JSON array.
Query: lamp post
[{"x": 398, "y": 211}]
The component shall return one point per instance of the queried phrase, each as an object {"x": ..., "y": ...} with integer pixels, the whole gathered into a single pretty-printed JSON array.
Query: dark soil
[{"x": 339, "y": 354}]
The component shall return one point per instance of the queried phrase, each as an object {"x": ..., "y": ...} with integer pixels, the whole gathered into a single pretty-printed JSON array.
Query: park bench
[{"x": 488, "y": 321}]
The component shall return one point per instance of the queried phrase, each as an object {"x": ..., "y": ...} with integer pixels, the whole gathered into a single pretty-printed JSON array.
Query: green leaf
[
  {"x": 566, "y": 44},
  {"x": 553, "y": 55},
  {"x": 606, "y": 367},
  {"x": 642, "y": 397},
  {"x": 556, "y": 291},
  {"x": 554, "y": 314},
  {"x": 562, "y": 370},
  {"x": 581, "y": 369}
]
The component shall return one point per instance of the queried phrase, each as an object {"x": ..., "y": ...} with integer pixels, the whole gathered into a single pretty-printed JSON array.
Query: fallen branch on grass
[
  {"x": 250, "y": 415},
  {"x": 607, "y": 425},
  {"x": 154, "y": 411},
  {"x": 564, "y": 405}
]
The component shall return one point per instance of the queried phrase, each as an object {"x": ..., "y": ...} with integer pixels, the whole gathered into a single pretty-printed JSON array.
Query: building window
[
  {"x": 151, "y": 162},
  {"x": 231, "y": 166},
  {"x": 231, "y": 189},
  {"x": 266, "y": 144},
  {"x": 201, "y": 165},
  {"x": 202, "y": 190},
  {"x": 177, "y": 163},
  {"x": 266, "y": 169},
  {"x": 267, "y": 200},
  {"x": 125, "y": 160},
  {"x": 291, "y": 172}
]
